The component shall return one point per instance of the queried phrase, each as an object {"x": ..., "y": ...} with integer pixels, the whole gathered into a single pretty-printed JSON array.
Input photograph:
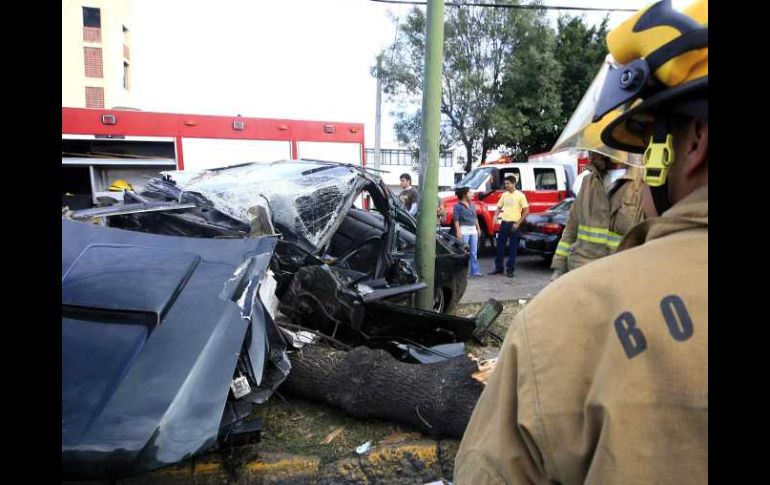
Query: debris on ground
[
  {"x": 365, "y": 448},
  {"x": 332, "y": 436}
]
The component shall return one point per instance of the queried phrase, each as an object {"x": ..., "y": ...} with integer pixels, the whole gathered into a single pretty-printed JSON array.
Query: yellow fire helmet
[
  {"x": 582, "y": 133},
  {"x": 662, "y": 69},
  {"x": 120, "y": 185}
]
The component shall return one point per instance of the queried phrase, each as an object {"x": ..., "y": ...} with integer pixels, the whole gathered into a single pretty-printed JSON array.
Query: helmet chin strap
[
  {"x": 658, "y": 157},
  {"x": 660, "y": 198}
]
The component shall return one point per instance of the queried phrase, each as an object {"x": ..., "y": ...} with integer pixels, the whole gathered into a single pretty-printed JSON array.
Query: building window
[
  {"x": 92, "y": 25},
  {"x": 94, "y": 97},
  {"x": 403, "y": 157},
  {"x": 92, "y": 17},
  {"x": 93, "y": 61},
  {"x": 126, "y": 76}
]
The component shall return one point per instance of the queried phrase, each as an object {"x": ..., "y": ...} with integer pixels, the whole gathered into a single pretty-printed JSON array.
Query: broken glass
[{"x": 302, "y": 197}]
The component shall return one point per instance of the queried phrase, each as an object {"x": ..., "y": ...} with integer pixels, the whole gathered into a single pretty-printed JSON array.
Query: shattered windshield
[{"x": 302, "y": 196}]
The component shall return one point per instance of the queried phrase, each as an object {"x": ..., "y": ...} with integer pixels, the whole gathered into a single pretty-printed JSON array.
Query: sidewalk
[{"x": 532, "y": 275}]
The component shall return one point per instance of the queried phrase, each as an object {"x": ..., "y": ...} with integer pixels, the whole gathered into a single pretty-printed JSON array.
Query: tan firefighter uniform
[
  {"x": 603, "y": 378},
  {"x": 598, "y": 220}
]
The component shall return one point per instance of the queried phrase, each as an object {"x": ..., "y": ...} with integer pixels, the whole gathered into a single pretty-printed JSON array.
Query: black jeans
[{"x": 507, "y": 234}]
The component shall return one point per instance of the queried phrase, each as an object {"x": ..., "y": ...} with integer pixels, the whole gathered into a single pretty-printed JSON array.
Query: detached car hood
[{"x": 152, "y": 330}]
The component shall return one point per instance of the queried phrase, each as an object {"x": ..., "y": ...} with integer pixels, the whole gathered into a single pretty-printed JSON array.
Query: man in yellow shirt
[{"x": 514, "y": 207}]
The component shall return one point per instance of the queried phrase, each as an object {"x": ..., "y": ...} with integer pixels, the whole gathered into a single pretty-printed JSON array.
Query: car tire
[{"x": 439, "y": 301}]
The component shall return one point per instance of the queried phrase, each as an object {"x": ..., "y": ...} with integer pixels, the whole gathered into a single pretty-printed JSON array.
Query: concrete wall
[{"x": 115, "y": 14}]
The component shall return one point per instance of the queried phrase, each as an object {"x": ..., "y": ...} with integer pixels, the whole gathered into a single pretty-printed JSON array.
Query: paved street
[{"x": 531, "y": 275}]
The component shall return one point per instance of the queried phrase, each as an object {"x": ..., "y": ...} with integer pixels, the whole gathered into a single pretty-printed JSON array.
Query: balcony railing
[
  {"x": 92, "y": 34},
  {"x": 406, "y": 158}
]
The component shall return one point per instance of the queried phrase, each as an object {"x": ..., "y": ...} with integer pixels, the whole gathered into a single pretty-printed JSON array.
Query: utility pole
[
  {"x": 378, "y": 115},
  {"x": 429, "y": 152}
]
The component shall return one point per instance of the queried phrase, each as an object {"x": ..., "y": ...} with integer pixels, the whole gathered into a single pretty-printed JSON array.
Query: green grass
[{"x": 298, "y": 426}]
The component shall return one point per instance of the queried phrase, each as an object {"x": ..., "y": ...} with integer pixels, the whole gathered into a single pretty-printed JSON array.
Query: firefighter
[
  {"x": 602, "y": 378},
  {"x": 608, "y": 205}
]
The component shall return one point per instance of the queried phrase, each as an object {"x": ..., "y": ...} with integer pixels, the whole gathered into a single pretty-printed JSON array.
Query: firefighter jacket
[
  {"x": 598, "y": 220},
  {"x": 603, "y": 377}
]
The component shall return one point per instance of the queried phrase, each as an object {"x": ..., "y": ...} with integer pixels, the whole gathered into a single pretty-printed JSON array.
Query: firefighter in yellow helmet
[
  {"x": 603, "y": 377},
  {"x": 609, "y": 202}
]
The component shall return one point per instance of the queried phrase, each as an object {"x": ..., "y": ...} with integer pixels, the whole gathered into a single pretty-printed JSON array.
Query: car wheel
[{"x": 548, "y": 258}]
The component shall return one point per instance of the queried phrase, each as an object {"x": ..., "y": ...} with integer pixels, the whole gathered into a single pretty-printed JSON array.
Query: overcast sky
[{"x": 297, "y": 59}]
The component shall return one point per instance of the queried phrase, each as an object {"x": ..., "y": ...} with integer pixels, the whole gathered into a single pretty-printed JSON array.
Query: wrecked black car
[
  {"x": 178, "y": 316},
  {"x": 317, "y": 210}
]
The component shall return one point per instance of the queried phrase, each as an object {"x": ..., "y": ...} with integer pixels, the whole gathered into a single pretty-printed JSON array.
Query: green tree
[
  {"x": 408, "y": 127},
  {"x": 529, "y": 111},
  {"x": 545, "y": 82},
  {"x": 580, "y": 50},
  {"x": 478, "y": 42}
]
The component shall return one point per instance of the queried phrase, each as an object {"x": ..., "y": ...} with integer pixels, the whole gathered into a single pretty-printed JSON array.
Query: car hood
[{"x": 152, "y": 330}]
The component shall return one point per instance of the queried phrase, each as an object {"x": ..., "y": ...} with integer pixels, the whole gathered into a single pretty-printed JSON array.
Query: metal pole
[
  {"x": 429, "y": 152},
  {"x": 378, "y": 116}
]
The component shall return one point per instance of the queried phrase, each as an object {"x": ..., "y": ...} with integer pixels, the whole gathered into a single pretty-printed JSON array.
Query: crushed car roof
[{"x": 302, "y": 196}]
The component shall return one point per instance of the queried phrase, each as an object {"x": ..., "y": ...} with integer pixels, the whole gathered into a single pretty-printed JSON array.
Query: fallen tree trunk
[{"x": 437, "y": 399}]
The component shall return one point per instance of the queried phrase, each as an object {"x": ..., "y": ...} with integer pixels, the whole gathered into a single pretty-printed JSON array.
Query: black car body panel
[
  {"x": 151, "y": 336},
  {"x": 534, "y": 240}
]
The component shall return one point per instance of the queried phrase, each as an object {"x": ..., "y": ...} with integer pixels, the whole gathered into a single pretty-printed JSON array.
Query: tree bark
[
  {"x": 469, "y": 154},
  {"x": 437, "y": 399}
]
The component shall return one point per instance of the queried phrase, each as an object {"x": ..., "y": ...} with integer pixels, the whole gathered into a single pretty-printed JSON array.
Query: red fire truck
[
  {"x": 102, "y": 146},
  {"x": 546, "y": 179}
]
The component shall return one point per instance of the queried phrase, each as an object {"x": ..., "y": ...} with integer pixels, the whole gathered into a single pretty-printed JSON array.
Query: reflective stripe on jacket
[{"x": 598, "y": 221}]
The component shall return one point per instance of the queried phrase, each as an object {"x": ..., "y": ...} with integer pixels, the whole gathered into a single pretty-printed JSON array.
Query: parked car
[
  {"x": 540, "y": 233},
  {"x": 178, "y": 316}
]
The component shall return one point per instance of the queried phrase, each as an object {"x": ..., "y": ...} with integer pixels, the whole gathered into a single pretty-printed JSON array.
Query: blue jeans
[
  {"x": 506, "y": 234},
  {"x": 472, "y": 240}
]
